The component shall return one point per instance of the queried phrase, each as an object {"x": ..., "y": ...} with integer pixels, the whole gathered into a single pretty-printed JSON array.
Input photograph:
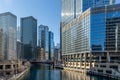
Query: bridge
[{"x": 42, "y": 62}]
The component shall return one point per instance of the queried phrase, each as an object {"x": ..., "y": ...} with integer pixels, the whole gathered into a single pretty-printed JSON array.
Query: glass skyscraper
[
  {"x": 104, "y": 26},
  {"x": 73, "y": 8},
  {"x": 51, "y": 45},
  {"x": 68, "y": 11},
  {"x": 84, "y": 33},
  {"x": 29, "y": 37},
  {"x": 97, "y": 29},
  {"x": 43, "y": 40},
  {"x": 18, "y": 33},
  {"x": 8, "y": 27},
  {"x": 96, "y": 32}
]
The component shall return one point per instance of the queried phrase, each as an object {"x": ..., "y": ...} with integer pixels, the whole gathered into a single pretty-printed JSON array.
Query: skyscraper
[
  {"x": 18, "y": 33},
  {"x": 76, "y": 7},
  {"x": 20, "y": 50},
  {"x": 92, "y": 39},
  {"x": 8, "y": 27},
  {"x": 29, "y": 36},
  {"x": 51, "y": 45},
  {"x": 43, "y": 40},
  {"x": 76, "y": 34},
  {"x": 68, "y": 11},
  {"x": 57, "y": 55},
  {"x": 20, "y": 46}
]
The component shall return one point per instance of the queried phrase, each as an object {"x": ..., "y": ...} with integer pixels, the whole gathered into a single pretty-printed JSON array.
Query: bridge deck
[{"x": 43, "y": 62}]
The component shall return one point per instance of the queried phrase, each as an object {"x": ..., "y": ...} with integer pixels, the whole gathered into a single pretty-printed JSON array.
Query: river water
[{"x": 45, "y": 72}]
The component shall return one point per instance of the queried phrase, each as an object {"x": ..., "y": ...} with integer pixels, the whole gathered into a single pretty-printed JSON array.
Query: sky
[
  {"x": 117, "y": 1},
  {"x": 47, "y": 12}
]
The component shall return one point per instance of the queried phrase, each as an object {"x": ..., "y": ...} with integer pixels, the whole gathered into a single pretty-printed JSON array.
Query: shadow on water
[
  {"x": 43, "y": 72},
  {"x": 46, "y": 72}
]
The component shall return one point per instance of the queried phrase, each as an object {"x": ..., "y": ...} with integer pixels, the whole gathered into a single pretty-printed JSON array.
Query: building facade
[
  {"x": 8, "y": 27},
  {"x": 68, "y": 11},
  {"x": 40, "y": 54},
  {"x": 20, "y": 50},
  {"x": 77, "y": 7},
  {"x": 20, "y": 46},
  {"x": 57, "y": 54},
  {"x": 90, "y": 42},
  {"x": 43, "y": 40},
  {"x": 51, "y": 45},
  {"x": 18, "y": 33},
  {"x": 29, "y": 37}
]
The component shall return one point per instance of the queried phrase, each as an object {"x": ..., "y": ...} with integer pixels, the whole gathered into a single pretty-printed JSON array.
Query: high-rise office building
[
  {"x": 20, "y": 50},
  {"x": 57, "y": 54},
  {"x": 51, "y": 45},
  {"x": 40, "y": 54},
  {"x": 76, "y": 7},
  {"x": 29, "y": 37},
  {"x": 43, "y": 40},
  {"x": 8, "y": 27},
  {"x": 20, "y": 46},
  {"x": 77, "y": 35},
  {"x": 93, "y": 39},
  {"x": 18, "y": 33},
  {"x": 68, "y": 11}
]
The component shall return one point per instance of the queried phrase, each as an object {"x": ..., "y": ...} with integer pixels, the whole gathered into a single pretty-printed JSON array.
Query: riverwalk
[{"x": 17, "y": 76}]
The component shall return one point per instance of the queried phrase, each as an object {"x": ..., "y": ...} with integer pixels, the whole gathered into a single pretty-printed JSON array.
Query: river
[{"x": 45, "y": 72}]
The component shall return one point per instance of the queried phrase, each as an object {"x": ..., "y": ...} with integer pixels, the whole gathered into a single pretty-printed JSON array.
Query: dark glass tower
[
  {"x": 29, "y": 36},
  {"x": 51, "y": 45}
]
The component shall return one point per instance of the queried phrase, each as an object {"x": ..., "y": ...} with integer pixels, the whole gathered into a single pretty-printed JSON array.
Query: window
[
  {"x": 109, "y": 71},
  {"x": 103, "y": 66}
]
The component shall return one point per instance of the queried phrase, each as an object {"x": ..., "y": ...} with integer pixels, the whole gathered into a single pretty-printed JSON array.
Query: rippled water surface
[{"x": 45, "y": 72}]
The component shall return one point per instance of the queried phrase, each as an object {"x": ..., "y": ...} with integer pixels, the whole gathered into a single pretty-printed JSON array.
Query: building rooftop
[
  {"x": 7, "y": 13},
  {"x": 29, "y": 17}
]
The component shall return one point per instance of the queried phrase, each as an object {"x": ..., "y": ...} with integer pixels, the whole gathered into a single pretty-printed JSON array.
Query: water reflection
[
  {"x": 70, "y": 75},
  {"x": 45, "y": 72}
]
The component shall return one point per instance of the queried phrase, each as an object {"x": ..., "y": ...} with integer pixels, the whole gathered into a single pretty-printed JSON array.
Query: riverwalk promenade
[{"x": 13, "y": 69}]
